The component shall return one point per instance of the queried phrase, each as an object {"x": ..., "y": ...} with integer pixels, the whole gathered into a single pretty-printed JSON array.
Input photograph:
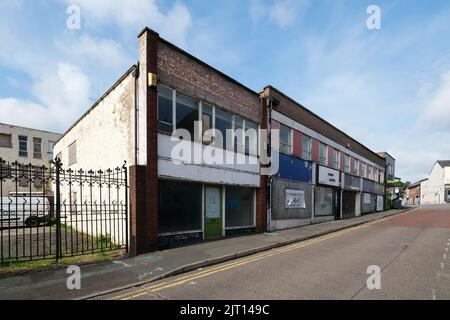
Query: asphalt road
[{"x": 410, "y": 249}]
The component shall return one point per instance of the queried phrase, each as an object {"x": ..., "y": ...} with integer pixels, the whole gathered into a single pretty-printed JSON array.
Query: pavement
[
  {"x": 401, "y": 257},
  {"x": 112, "y": 278}
]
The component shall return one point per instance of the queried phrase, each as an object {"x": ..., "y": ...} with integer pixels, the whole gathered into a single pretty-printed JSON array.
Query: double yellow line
[{"x": 201, "y": 274}]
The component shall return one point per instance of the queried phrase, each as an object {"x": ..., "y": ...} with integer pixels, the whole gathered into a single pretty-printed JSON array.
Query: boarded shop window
[
  {"x": 72, "y": 153},
  {"x": 37, "y": 148},
  {"x": 347, "y": 163},
  {"x": 285, "y": 139},
  {"x": 335, "y": 159},
  {"x": 165, "y": 109},
  {"x": 323, "y": 154},
  {"x": 306, "y": 147},
  {"x": 186, "y": 114},
  {"x": 5, "y": 140},
  {"x": 323, "y": 200},
  {"x": 23, "y": 146},
  {"x": 224, "y": 122},
  {"x": 180, "y": 206},
  {"x": 239, "y": 207}
]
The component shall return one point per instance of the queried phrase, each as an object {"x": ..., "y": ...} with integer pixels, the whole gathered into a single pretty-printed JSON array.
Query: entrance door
[
  {"x": 213, "y": 212},
  {"x": 348, "y": 204}
]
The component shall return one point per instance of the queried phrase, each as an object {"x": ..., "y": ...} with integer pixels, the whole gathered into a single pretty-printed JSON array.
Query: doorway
[{"x": 213, "y": 212}]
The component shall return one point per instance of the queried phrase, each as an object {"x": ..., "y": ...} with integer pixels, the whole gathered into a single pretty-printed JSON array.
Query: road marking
[{"x": 182, "y": 280}]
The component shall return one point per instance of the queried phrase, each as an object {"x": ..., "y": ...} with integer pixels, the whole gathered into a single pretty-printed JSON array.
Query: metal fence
[{"x": 50, "y": 212}]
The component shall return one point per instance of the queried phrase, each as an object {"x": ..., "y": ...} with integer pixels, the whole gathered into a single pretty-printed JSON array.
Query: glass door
[{"x": 213, "y": 212}]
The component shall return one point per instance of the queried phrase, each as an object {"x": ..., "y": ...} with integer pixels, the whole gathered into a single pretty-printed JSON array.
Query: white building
[
  {"x": 436, "y": 189},
  {"x": 26, "y": 146}
]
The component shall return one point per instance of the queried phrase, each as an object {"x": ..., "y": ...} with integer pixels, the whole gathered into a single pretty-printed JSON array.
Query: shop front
[
  {"x": 369, "y": 198},
  {"x": 351, "y": 195},
  {"x": 291, "y": 194},
  {"x": 327, "y": 194},
  {"x": 447, "y": 193},
  {"x": 190, "y": 211}
]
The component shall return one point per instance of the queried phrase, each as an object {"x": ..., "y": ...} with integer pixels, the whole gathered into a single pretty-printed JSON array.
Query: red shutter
[
  {"x": 330, "y": 156},
  {"x": 297, "y": 147},
  {"x": 315, "y": 150}
]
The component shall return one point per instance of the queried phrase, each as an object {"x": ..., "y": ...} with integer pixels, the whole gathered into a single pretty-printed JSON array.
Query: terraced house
[{"x": 195, "y": 142}]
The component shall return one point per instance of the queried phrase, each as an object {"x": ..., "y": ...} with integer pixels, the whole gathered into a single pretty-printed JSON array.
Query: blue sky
[{"x": 388, "y": 88}]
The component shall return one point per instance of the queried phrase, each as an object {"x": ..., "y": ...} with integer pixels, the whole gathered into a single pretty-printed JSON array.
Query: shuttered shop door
[{"x": 323, "y": 202}]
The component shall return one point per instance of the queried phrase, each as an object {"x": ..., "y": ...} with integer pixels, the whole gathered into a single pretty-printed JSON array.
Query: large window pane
[
  {"x": 187, "y": 113},
  {"x": 165, "y": 109},
  {"x": 323, "y": 154},
  {"x": 239, "y": 202},
  {"x": 224, "y": 122},
  {"x": 207, "y": 122},
  {"x": 306, "y": 147},
  {"x": 251, "y": 138},
  {"x": 180, "y": 206},
  {"x": 285, "y": 139}
]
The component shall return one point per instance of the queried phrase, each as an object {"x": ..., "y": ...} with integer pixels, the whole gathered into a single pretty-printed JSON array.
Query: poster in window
[
  {"x": 295, "y": 199},
  {"x": 366, "y": 198}
]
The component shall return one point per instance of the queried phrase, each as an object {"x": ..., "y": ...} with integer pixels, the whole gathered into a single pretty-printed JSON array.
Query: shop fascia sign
[{"x": 329, "y": 176}]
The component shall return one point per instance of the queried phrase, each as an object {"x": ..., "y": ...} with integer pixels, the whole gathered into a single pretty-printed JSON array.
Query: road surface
[{"x": 411, "y": 251}]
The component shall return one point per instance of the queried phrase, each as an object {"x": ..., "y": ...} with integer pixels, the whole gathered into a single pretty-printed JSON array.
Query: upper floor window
[
  {"x": 224, "y": 125},
  {"x": 23, "y": 146},
  {"x": 323, "y": 154},
  {"x": 207, "y": 120},
  {"x": 370, "y": 172},
  {"x": 165, "y": 109},
  {"x": 363, "y": 167},
  {"x": 306, "y": 147},
  {"x": 186, "y": 114},
  {"x": 335, "y": 159},
  {"x": 346, "y": 163},
  {"x": 37, "y": 148},
  {"x": 5, "y": 140},
  {"x": 50, "y": 146},
  {"x": 73, "y": 153},
  {"x": 355, "y": 166},
  {"x": 251, "y": 138},
  {"x": 285, "y": 139}
]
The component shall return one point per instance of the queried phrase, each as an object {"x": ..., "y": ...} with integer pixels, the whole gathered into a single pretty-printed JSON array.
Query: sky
[{"x": 388, "y": 88}]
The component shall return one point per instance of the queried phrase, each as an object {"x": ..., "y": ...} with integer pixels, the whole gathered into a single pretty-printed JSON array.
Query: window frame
[
  {"x": 347, "y": 163},
  {"x": 37, "y": 144},
  {"x": 70, "y": 160},
  {"x": 325, "y": 162},
  {"x": 287, "y": 144},
  {"x": 10, "y": 144},
  {"x": 308, "y": 151},
  {"x": 22, "y": 153},
  {"x": 336, "y": 158}
]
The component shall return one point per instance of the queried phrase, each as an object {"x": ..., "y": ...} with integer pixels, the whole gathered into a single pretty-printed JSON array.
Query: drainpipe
[
  {"x": 271, "y": 104},
  {"x": 136, "y": 113}
]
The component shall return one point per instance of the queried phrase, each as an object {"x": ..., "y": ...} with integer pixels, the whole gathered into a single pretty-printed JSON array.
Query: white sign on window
[
  {"x": 380, "y": 203},
  {"x": 329, "y": 176},
  {"x": 366, "y": 198},
  {"x": 295, "y": 199}
]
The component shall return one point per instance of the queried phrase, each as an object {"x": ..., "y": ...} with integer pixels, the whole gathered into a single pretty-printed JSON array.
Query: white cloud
[
  {"x": 283, "y": 13},
  {"x": 62, "y": 94},
  {"x": 437, "y": 110},
  {"x": 98, "y": 52},
  {"x": 136, "y": 14}
]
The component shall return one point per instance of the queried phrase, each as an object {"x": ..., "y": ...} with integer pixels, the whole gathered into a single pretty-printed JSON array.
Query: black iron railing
[{"x": 50, "y": 212}]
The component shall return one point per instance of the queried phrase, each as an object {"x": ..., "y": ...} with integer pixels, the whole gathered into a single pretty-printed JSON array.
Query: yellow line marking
[{"x": 182, "y": 280}]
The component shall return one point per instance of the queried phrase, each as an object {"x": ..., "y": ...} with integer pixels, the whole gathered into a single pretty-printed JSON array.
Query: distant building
[
  {"x": 413, "y": 193},
  {"x": 436, "y": 190},
  {"x": 26, "y": 146},
  {"x": 390, "y": 165}
]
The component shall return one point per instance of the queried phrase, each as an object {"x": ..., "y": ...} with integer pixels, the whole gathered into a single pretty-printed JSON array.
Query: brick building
[
  {"x": 189, "y": 135},
  {"x": 413, "y": 193}
]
